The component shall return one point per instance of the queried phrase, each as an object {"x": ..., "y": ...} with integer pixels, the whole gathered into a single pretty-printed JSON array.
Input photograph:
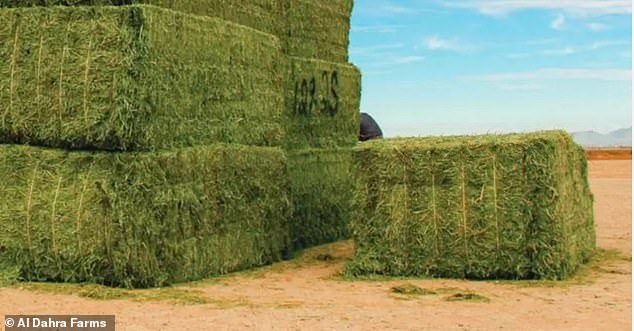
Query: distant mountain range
[{"x": 622, "y": 137}]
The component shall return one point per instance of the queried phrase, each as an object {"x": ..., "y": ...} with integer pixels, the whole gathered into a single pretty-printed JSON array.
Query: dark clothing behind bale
[{"x": 369, "y": 128}]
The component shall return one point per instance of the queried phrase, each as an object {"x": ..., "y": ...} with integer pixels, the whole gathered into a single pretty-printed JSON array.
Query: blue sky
[{"x": 442, "y": 67}]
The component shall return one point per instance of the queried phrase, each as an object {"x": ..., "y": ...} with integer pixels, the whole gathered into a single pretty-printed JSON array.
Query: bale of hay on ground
[
  {"x": 512, "y": 206},
  {"x": 321, "y": 194},
  {"x": 142, "y": 219},
  {"x": 319, "y": 29},
  {"x": 136, "y": 78},
  {"x": 322, "y": 104}
]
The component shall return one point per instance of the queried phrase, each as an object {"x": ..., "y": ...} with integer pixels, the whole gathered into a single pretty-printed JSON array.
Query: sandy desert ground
[{"x": 308, "y": 293}]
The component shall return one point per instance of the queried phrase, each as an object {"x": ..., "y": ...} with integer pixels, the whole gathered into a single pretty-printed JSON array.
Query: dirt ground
[
  {"x": 309, "y": 294},
  {"x": 609, "y": 154}
]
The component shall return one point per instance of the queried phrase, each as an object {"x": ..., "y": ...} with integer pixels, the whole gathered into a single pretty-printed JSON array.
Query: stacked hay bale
[
  {"x": 321, "y": 120},
  {"x": 159, "y": 135},
  {"x": 307, "y": 29},
  {"x": 516, "y": 206},
  {"x": 321, "y": 192},
  {"x": 136, "y": 78},
  {"x": 169, "y": 117},
  {"x": 319, "y": 29},
  {"x": 322, "y": 94},
  {"x": 141, "y": 219}
]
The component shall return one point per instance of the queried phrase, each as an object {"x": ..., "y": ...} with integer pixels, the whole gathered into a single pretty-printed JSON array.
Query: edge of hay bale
[{"x": 142, "y": 219}]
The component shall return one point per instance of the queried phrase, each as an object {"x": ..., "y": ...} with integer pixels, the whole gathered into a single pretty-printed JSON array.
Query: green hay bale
[
  {"x": 136, "y": 78},
  {"x": 322, "y": 104},
  {"x": 321, "y": 194},
  {"x": 514, "y": 206},
  {"x": 319, "y": 29},
  {"x": 264, "y": 15},
  {"x": 142, "y": 219},
  {"x": 309, "y": 29}
]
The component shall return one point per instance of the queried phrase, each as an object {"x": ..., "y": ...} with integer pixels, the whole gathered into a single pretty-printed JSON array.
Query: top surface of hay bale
[
  {"x": 136, "y": 78},
  {"x": 309, "y": 29},
  {"x": 512, "y": 206}
]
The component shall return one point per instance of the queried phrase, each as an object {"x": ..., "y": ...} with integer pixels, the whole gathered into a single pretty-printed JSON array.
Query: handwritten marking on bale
[
  {"x": 322, "y": 104},
  {"x": 307, "y": 101}
]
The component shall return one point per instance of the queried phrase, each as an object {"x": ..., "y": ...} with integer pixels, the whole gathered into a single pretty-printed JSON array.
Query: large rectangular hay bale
[
  {"x": 264, "y": 15},
  {"x": 309, "y": 29},
  {"x": 321, "y": 195},
  {"x": 513, "y": 206},
  {"x": 142, "y": 219},
  {"x": 322, "y": 104},
  {"x": 136, "y": 78}
]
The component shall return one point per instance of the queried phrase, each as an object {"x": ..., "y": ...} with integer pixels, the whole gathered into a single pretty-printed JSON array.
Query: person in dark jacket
[{"x": 369, "y": 128}]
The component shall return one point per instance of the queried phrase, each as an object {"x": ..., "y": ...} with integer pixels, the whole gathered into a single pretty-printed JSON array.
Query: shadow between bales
[{"x": 335, "y": 254}]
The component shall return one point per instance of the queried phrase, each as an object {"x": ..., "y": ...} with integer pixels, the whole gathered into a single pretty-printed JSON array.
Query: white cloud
[
  {"x": 538, "y": 42},
  {"x": 610, "y": 43},
  {"x": 386, "y": 60},
  {"x": 373, "y": 50},
  {"x": 376, "y": 28},
  {"x": 559, "y": 22},
  {"x": 389, "y": 8},
  {"x": 598, "y": 27},
  {"x": 580, "y": 7},
  {"x": 408, "y": 59},
  {"x": 436, "y": 43},
  {"x": 521, "y": 87},
  {"x": 515, "y": 56},
  {"x": 561, "y": 51},
  {"x": 559, "y": 74},
  {"x": 397, "y": 10},
  {"x": 569, "y": 50}
]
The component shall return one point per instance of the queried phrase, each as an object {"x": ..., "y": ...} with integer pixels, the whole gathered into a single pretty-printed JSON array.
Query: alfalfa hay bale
[
  {"x": 321, "y": 195},
  {"x": 514, "y": 206},
  {"x": 322, "y": 104},
  {"x": 319, "y": 29},
  {"x": 136, "y": 78},
  {"x": 142, "y": 219},
  {"x": 308, "y": 29},
  {"x": 264, "y": 15}
]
